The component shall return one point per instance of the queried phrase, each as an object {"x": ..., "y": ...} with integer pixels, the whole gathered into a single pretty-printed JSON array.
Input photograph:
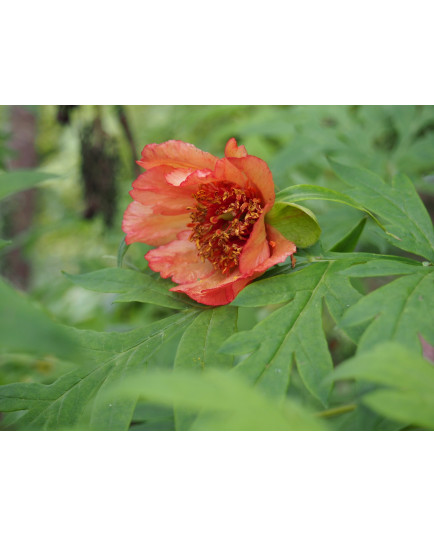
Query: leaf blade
[
  {"x": 226, "y": 402},
  {"x": 12, "y": 182},
  {"x": 410, "y": 227},
  {"x": 24, "y": 327},
  {"x": 398, "y": 311},
  {"x": 409, "y": 379},
  {"x": 132, "y": 285},
  {"x": 295, "y": 223},
  {"x": 295, "y": 330},
  {"x": 199, "y": 349},
  {"x": 64, "y": 403}
]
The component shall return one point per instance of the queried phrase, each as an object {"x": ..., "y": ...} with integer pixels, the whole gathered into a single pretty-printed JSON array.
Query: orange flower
[{"x": 207, "y": 217}]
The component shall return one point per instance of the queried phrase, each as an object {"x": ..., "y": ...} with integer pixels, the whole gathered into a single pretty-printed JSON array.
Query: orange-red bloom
[{"x": 207, "y": 217}]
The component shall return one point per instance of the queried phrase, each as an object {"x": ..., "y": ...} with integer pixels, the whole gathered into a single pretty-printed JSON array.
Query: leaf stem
[{"x": 333, "y": 412}]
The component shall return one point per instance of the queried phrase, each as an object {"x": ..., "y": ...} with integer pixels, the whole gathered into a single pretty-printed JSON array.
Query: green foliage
[
  {"x": 26, "y": 328},
  {"x": 111, "y": 356},
  {"x": 294, "y": 331},
  {"x": 408, "y": 223},
  {"x": 199, "y": 349},
  {"x": 297, "y": 224},
  {"x": 132, "y": 286},
  {"x": 349, "y": 240},
  {"x": 404, "y": 383},
  {"x": 15, "y": 181},
  {"x": 4, "y": 243},
  {"x": 200, "y": 343},
  {"x": 225, "y": 401},
  {"x": 399, "y": 311},
  {"x": 335, "y": 343},
  {"x": 305, "y": 193}
]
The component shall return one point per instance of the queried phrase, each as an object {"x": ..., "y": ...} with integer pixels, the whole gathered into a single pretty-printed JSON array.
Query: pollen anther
[{"x": 222, "y": 221}]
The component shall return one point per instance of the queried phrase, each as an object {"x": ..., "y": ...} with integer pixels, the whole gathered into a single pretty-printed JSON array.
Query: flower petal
[
  {"x": 233, "y": 150},
  {"x": 192, "y": 182},
  {"x": 256, "y": 250},
  {"x": 258, "y": 174},
  {"x": 152, "y": 189},
  {"x": 180, "y": 261},
  {"x": 141, "y": 225},
  {"x": 216, "y": 289},
  {"x": 161, "y": 204},
  {"x": 281, "y": 248},
  {"x": 177, "y": 176},
  {"x": 225, "y": 170},
  {"x": 177, "y": 154}
]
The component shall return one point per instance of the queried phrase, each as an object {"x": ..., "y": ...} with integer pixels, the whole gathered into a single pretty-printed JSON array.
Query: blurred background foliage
[{"x": 72, "y": 223}]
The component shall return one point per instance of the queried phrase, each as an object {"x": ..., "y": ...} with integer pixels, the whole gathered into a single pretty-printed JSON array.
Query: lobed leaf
[
  {"x": 295, "y": 331},
  {"x": 398, "y": 311},
  {"x": 409, "y": 225},
  {"x": 63, "y": 404},
  {"x": 199, "y": 348}
]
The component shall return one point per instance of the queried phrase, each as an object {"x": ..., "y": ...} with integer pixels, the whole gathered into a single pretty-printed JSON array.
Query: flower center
[{"x": 222, "y": 221}]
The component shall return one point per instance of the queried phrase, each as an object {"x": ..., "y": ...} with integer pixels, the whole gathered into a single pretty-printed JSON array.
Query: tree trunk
[{"x": 21, "y": 206}]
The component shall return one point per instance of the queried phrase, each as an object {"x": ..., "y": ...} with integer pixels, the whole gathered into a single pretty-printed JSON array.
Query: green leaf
[
  {"x": 304, "y": 192},
  {"x": 299, "y": 151},
  {"x": 24, "y": 327},
  {"x": 408, "y": 377},
  {"x": 152, "y": 417},
  {"x": 398, "y": 203},
  {"x": 364, "y": 419},
  {"x": 297, "y": 224},
  {"x": 398, "y": 311},
  {"x": 200, "y": 343},
  {"x": 295, "y": 330},
  {"x": 15, "y": 181},
  {"x": 384, "y": 266},
  {"x": 199, "y": 347},
  {"x": 64, "y": 404},
  {"x": 132, "y": 286},
  {"x": 4, "y": 243},
  {"x": 337, "y": 223},
  {"x": 225, "y": 401},
  {"x": 349, "y": 241}
]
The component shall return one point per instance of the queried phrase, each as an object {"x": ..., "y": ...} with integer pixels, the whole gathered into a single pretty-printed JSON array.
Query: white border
[
  {"x": 207, "y": 483},
  {"x": 226, "y": 53}
]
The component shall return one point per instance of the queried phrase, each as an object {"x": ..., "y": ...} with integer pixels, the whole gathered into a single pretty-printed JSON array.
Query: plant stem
[{"x": 333, "y": 412}]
